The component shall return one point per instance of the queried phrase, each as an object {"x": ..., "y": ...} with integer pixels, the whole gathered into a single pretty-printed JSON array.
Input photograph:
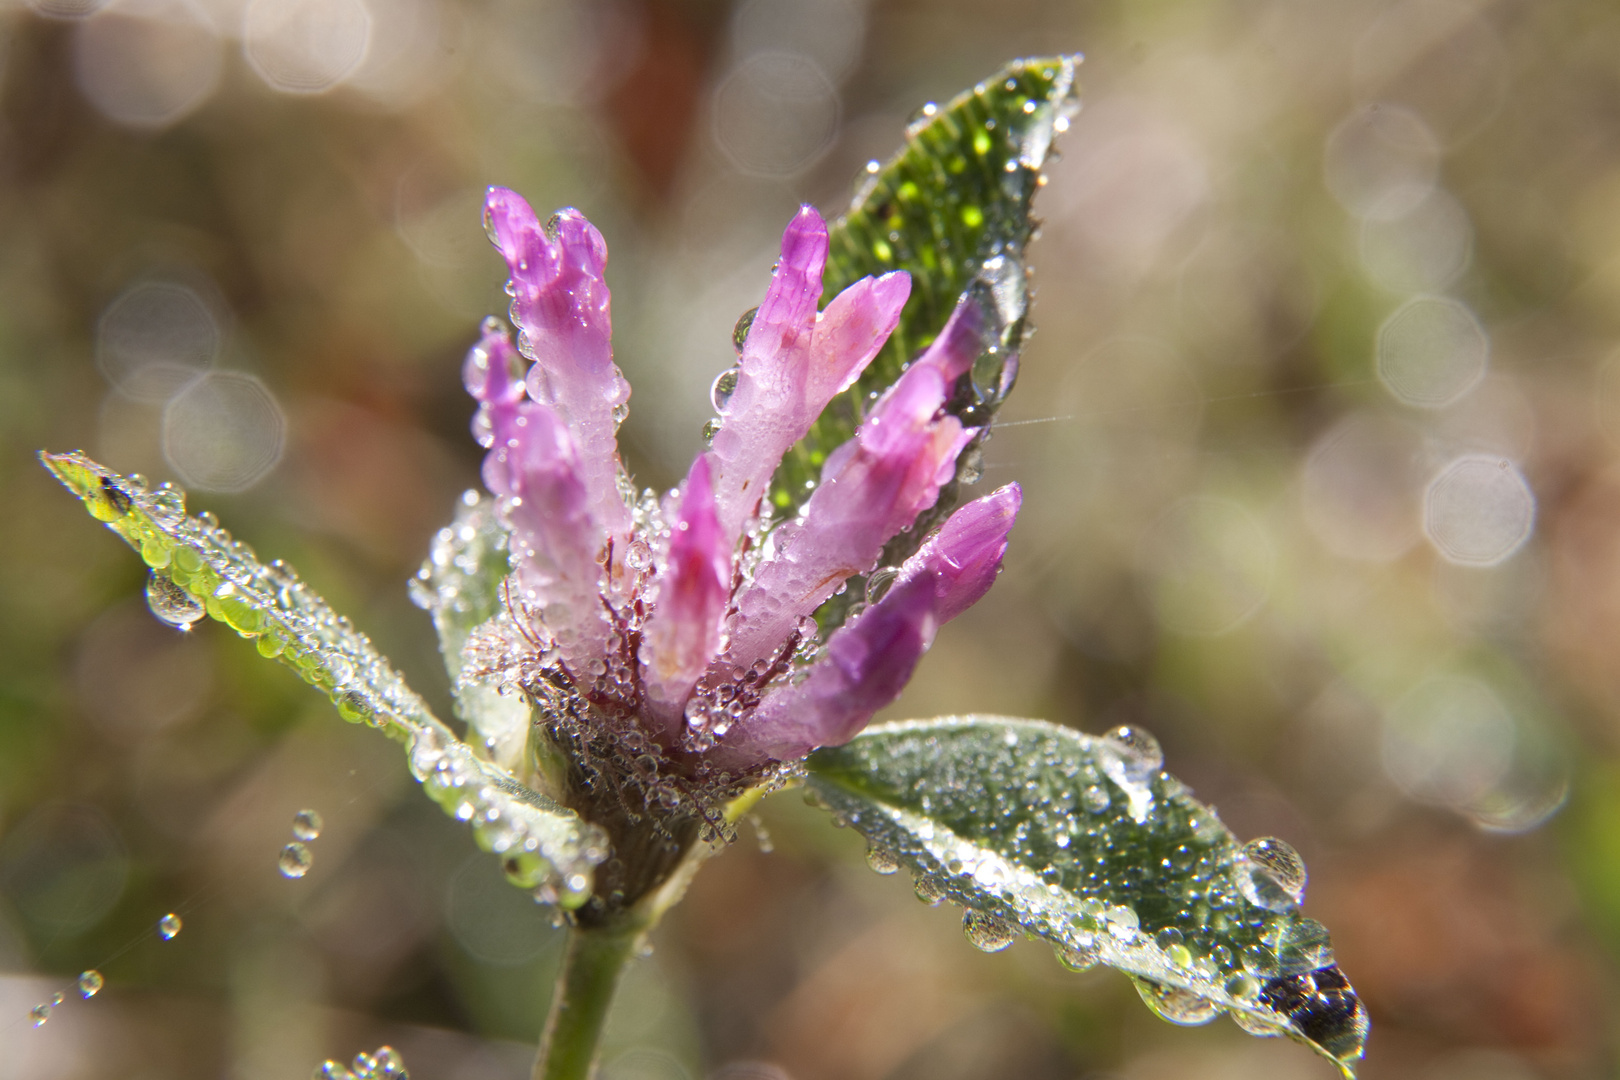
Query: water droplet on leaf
[
  {"x": 1177, "y": 1004},
  {"x": 882, "y": 860},
  {"x": 987, "y": 932},
  {"x": 1271, "y": 875},
  {"x": 170, "y": 603}
]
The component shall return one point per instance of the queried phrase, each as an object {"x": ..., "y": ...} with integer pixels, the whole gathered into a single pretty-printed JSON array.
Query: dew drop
[
  {"x": 1078, "y": 956},
  {"x": 882, "y": 860},
  {"x": 1177, "y": 1004},
  {"x": 39, "y": 1014},
  {"x": 638, "y": 556},
  {"x": 365, "y": 1066},
  {"x": 987, "y": 932},
  {"x": 739, "y": 333},
  {"x": 307, "y": 825},
  {"x": 1131, "y": 758},
  {"x": 1271, "y": 875},
  {"x": 720, "y": 391},
  {"x": 170, "y": 603},
  {"x": 1243, "y": 987},
  {"x": 169, "y": 926},
  {"x": 295, "y": 860},
  {"x": 90, "y": 984},
  {"x": 929, "y": 889},
  {"x": 332, "y": 1070},
  {"x": 1095, "y": 797}
]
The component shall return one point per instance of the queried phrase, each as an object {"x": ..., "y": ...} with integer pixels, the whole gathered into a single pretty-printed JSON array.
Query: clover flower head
[{"x": 680, "y": 631}]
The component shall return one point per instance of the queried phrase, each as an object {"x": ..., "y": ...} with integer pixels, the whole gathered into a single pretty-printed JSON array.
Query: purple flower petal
[
  {"x": 869, "y": 660},
  {"x": 561, "y": 305},
  {"x": 871, "y": 488},
  {"x": 794, "y": 362},
  {"x": 533, "y": 469},
  {"x": 683, "y": 633}
]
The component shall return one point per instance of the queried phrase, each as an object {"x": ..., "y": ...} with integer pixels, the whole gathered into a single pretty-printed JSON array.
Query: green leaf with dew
[
  {"x": 1085, "y": 843},
  {"x": 198, "y": 568},
  {"x": 954, "y": 209}
]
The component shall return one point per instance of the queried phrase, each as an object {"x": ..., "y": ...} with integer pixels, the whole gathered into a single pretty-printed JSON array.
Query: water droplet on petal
[
  {"x": 987, "y": 932},
  {"x": 295, "y": 860},
  {"x": 170, "y": 603},
  {"x": 739, "y": 333},
  {"x": 720, "y": 391},
  {"x": 1271, "y": 875},
  {"x": 169, "y": 926},
  {"x": 90, "y": 984},
  {"x": 307, "y": 825}
]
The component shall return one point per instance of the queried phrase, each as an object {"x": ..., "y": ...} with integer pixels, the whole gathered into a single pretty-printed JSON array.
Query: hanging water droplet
[
  {"x": 332, "y": 1070},
  {"x": 720, "y": 391},
  {"x": 295, "y": 860},
  {"x": 39, "y": 1014},
  {"x": 1271, "y": 875},
  {"x": 365, "y": 1066},
  {"x": 929, "y": 889},
  {"x": 90, "y": 983},
  {"x": 711, "y": 428},
  {"x": 739, "y": 333},
  {"x": 307, "y": 825},
  {"x": 1256, "y": 1025},
  {"x": 987, "y": 932},
  {"x": 169, "y": 926},
  {"x": 170, "y": 603},
  {"x": 57, "y": 999},
  {"x": 879, "y": 581},
  {"x": 1177, "y": 1004},
  {"x": 882, "y": 860},
  {"x": 1078, "y": 956}
]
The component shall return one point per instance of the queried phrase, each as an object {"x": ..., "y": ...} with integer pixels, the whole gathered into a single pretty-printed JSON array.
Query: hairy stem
[{"x": 579, "y": 1006}]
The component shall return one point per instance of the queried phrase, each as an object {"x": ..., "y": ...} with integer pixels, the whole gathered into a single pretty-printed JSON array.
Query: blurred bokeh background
[{"x": 1320, "y": 436}]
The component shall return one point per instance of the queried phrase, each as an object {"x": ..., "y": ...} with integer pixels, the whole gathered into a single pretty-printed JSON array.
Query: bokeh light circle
[
  {"x": 156, "y": 337},
  {"x": 1478, "y": 511},
  {"x": 775, "y": 114},
  {"x": 223, "y": 432},
  {"x": 147, "y": 64},
  {"x": 1450, "y": 740},
  {"x": 1381, "y": 161},
  {"x": 1432, "y": 351},
  {"x": 306, "y": 46}
]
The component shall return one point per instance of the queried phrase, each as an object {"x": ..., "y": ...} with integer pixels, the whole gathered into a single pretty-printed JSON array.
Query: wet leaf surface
[
  {"x": 198, "y": 568},
  {"x": 1087, "y": 844}
]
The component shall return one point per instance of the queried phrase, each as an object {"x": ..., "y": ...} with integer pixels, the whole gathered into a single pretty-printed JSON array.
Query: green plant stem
[{"x": 579, "y": 1006}]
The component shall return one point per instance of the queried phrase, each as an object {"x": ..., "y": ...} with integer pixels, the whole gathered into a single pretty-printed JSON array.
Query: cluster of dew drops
[
  {"x": 296, "y": 858},
  {"x": 385, "y": 1064}
]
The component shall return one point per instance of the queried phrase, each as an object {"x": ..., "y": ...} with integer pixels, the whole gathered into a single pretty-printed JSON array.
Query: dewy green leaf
[
  {"x": 1085, "y": 843},
  {"x": 198, "y": 568},
  {"x": 954, "y": 209},
  {"x": 460, "y": 585}
]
